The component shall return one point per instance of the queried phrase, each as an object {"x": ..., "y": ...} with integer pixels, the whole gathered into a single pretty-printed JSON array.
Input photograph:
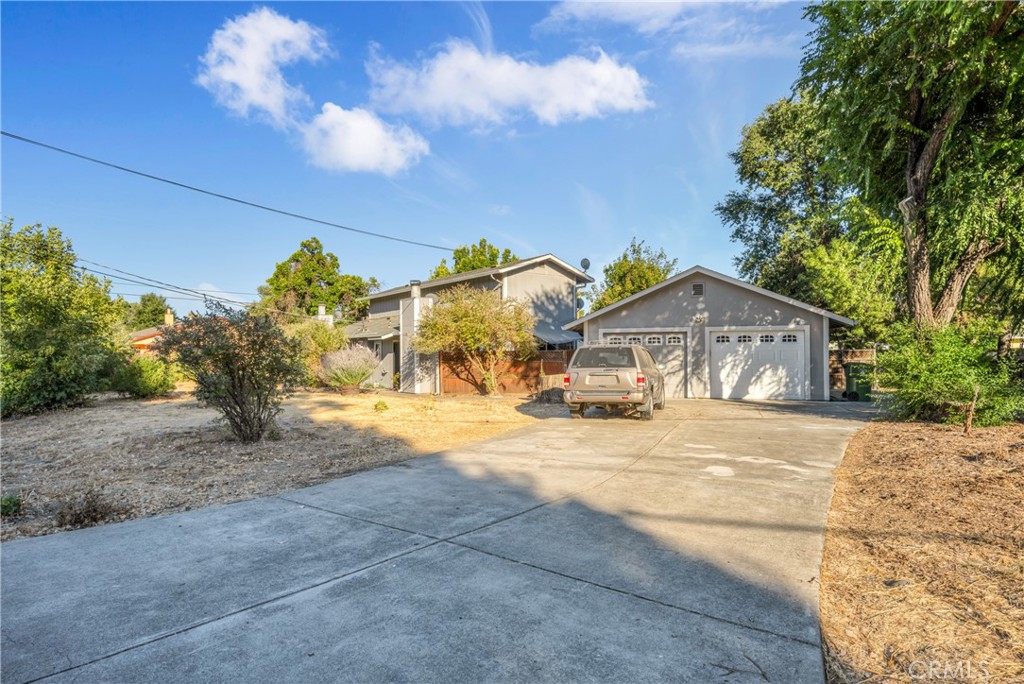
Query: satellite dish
[{"x": 585, "y": 264}]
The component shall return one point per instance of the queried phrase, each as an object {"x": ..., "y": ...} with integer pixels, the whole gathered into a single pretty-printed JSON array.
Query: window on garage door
[
  {"x": 721, "y": 339},
  {"x": 674, "y": 339},
  {"x": 769, "y": 339},
  {"x": 654, "y": 340},
  {"x": 613, "y": 339},
  {"x": 789, "y": 338},
  {"x": 634, "y": 339},
  {"x": 744, "y": 338}
]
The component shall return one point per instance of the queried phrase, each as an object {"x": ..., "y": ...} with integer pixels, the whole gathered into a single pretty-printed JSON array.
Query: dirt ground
[
  {"x": 120, "y": 459},
  {"x": 923, "y": 574}
]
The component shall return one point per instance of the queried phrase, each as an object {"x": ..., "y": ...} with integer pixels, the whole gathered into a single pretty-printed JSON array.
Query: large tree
[
  {"x": 59, "y": 322},
  {"x": 790, "y": 199},
  {"x": 474, "y": 330},
  {"x": 638, "y": 268},
  {"x": 148, "y": 312},
  {"x": 922, "y": 102},
  {"x": 471, "y": 257},
  {"x": 311, "y": 277}
]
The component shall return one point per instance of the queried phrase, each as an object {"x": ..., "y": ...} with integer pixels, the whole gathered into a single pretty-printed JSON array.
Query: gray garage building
[{"x": 722, "y": 338}]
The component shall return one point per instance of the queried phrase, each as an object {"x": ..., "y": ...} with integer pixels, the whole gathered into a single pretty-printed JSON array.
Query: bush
[
  {"x": 87, "y": 509},
  {"x": 10, "y": 505},
  {"x": 348, "y": 367},
  {"x": 242, "y": 365},
  {"x": 315, "y": 338},
  {"x": 950, "y": 373},
  {"x": 143, "y": 377},
  {"x": 57, "y": 322},
  {"x": 381, "y": 406}
]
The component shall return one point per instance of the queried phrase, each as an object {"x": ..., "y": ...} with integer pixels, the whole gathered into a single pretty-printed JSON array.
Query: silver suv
[{"x": 614, "y": 376}]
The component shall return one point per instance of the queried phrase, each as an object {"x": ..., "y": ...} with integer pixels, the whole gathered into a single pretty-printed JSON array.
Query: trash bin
[{"x": 858, "y": 381}]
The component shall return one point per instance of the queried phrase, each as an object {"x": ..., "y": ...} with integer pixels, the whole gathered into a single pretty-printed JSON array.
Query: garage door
[
  {"x": 761, "y": 364},
  {"x": 668, "y": 349}
]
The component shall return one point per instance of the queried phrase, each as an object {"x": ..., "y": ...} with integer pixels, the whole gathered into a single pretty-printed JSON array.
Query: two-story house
[{"x": 546, "y": 283}]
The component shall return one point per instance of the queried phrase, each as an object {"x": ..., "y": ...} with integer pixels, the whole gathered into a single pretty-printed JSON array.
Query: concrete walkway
[{"x": 685, "y": 549}]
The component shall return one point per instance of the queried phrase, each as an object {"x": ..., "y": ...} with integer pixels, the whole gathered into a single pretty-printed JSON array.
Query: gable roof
[
  {"x": 380, "y": 327},
  {"x": 488, "y": 271},
  {"x": 711, "y": 274}
]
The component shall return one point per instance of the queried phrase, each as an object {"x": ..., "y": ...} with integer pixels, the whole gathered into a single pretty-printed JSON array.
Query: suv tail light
[
  {"x": 565, "y": 381},
  {"x": 641, "y": 381}
]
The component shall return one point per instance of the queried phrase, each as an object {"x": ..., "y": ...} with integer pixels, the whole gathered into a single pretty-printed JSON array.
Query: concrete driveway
[{"x": 683, "y": 549}]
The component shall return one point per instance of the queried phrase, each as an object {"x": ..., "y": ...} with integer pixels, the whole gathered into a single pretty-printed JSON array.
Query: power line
[{"x": 219, "y": 195}]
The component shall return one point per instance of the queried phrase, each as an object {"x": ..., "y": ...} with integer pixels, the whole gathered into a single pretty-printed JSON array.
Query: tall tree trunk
[{"x": 967, "y": 264}]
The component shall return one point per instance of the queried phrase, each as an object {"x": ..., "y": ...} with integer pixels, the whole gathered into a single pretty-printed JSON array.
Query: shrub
[
  {"x": 143, "y": 377},
  {"x": 10, "y": 505},
  {"x": 315, "y": 338},
  {"x": 57, "y": 322},
  {"x": 87, "y": 509},
  {"x": 381, "y": 406},
  {"x": 242, "y": 365},
  {"x": 950, "y": 373},
  {"x": 348, "y": 367}
]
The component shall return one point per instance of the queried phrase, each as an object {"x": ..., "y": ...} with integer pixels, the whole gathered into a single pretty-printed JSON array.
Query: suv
[{"x": 613, "y": 376}]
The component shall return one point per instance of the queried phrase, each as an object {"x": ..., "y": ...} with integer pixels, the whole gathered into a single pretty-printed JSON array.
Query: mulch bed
[{"x": 923, "y": 572}]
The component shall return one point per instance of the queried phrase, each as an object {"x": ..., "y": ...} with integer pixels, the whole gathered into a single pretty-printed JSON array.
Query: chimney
[
  {"x": 321, "y": 310},
  {"x": 414, "y": 288},
  {"x": 168, "y": 317}
]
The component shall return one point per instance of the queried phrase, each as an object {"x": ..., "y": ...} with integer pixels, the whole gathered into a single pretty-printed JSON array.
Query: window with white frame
[
  {"x": 744, "y": 338},
  {"x": 674, "y": 339},
  {"x": 634, "y": 339},
  {"x": 655, "y": 339},
  {"x": 721, "y": 339},
  {"x": 767, "y": 338},
  {"x": 613, "y": 339},
  {"x": 789, "y": 338}
]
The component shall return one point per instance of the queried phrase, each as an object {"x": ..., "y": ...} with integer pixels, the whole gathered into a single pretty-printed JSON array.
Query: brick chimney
[{"x": 168, "y": 317}]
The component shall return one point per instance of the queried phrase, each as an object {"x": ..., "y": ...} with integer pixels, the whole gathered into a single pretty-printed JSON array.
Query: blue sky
[{"x": 566, "y": 128}]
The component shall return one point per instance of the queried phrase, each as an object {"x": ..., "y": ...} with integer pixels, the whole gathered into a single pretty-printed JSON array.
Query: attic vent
[{"x": 698, "y": 289}]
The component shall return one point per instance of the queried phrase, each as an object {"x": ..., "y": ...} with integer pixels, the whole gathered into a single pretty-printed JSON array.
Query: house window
[
  {"x": 674, "y": 339},
  {"x": 377, "y": 349},
  {"x": 789, "y": 337},
  {"x": 744, "y": 338},
  {"x": 767, "y": 338},
  {"x": 721, "y": 339},
  {"x": 613, "y": 339},
  {"x": 654, "y": 339},
  {"x": 697, "y": 289},
  {"x": 634, "y": 339}
]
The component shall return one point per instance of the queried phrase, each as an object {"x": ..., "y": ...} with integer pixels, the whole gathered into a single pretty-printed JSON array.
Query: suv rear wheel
[
  {"x": 646, "y": 410},
  {"x": 577, "y": 414}
]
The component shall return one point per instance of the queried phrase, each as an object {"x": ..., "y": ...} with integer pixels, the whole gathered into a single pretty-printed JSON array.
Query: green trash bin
[{"x": 858, "y": 381}]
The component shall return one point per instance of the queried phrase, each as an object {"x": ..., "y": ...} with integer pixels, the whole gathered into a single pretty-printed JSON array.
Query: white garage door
[
  {"x": 758, "y": 364},
  {"x": 667, "y": 348}
]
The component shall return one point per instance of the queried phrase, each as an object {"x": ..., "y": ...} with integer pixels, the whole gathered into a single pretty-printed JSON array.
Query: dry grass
[
  {"x": 120, "y": 459},
  {"x": 923, "y": 573}
]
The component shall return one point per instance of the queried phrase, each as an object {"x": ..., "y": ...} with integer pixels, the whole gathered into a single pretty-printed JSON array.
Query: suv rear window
[{"x": 603, "y": 357}]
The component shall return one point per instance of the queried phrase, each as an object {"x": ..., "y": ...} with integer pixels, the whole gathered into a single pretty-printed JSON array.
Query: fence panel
[{"x": 514, "y": 377}]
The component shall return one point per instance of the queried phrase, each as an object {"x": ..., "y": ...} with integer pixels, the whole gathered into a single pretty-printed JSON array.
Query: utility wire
[{"x": 219, "y": 195}]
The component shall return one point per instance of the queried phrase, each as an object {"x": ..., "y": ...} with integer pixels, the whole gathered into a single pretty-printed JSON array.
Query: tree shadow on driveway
[{"x": 504, "y": 561}]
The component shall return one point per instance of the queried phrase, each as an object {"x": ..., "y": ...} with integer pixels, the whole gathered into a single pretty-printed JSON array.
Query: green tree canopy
[
  {"x": 474, "y": 330},
  {"x": 311, "y": 277},
  {"x": 59, "y": 323},
  {"x": 637, "y": 269},
  {"x": 922, "y": 103},
  {"x": 471, "y": 257},
  {"x": 148, "y": 312},
  {"x": 790, "y": 200}
]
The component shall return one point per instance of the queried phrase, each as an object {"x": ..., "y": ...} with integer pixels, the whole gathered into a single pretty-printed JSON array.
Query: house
[
  {"x": 143, "y": 340},
  {"x": 546, "y": 283},
  {"x": 720, "y": 337}
]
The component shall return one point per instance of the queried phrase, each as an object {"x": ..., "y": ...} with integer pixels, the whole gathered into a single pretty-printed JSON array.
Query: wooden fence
[
  {"x": 836, "y": 359},
  {"x": 516, "y": 377}
]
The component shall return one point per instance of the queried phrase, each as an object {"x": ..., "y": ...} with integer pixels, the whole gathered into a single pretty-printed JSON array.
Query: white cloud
[
  {"x": 357, "y": 140},
  {"x": 643, "y": 17},
  {"x": 461, "y": 85},
  {"x": 242, "y": 64},
  {"x": 481, "y": 24},
  {"x": 741, "y": 46},
  {"x": 500, "y": 210}
]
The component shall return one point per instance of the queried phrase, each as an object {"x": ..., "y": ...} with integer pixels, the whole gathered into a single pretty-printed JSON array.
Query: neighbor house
[
  {"x": 722, "y": 338},
  {"x": 143, "y": 341},
  {"x": 547, "y": 284}
]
